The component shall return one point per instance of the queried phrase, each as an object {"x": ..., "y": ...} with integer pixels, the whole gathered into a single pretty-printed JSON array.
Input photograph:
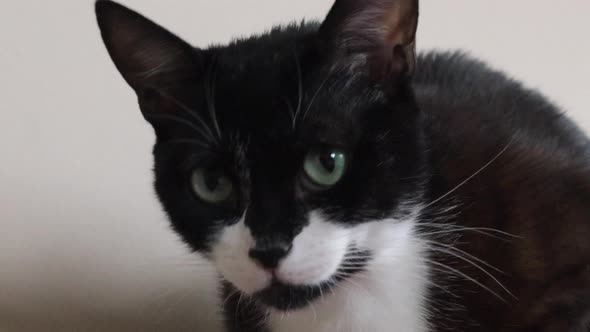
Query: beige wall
[{"x": 83, "y": 243}]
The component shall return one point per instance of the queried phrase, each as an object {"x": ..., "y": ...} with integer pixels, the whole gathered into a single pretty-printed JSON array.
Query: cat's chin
[{"x": 286, "y": 297}]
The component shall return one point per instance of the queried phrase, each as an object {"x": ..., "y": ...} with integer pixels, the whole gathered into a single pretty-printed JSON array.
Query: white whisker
[
  {"x": 459, "y": 273},
  {"x": 210, "y": 97},
  {"x": 472, "y": 175},
  {"x": 315, "y": 95},
  {"x": 449, "y": 252},
  {"x": 208, "y": 134},
  {"x": 300, "y": 89}
]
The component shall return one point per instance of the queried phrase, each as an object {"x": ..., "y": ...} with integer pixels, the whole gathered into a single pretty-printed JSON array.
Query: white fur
[
  {"x": 230, "y": 256},
  {"x": 388, "y": 296},
  {"x": 317, "y": 253}
]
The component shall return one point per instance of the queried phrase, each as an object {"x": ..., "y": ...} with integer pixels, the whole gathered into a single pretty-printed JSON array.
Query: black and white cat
[{"x": 339, "y": 182}]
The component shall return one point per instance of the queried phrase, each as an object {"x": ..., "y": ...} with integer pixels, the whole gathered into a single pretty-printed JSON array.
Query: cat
[{"x": 339, "y": 181}]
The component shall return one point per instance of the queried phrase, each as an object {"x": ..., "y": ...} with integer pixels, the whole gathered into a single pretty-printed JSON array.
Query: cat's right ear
[
  {"x": 147, "y": 55},
  {"x": 377, "y": 34}
]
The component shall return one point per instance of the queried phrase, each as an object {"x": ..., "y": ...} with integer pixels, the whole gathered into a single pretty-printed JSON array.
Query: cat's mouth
[{"x": 285, "y": 297}]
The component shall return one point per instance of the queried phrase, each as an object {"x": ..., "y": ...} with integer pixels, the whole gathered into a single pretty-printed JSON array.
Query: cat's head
[{"x": 292, "y": 159}]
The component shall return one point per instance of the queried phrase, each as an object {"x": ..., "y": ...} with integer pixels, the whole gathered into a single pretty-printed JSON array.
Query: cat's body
[
  {"x": 516, "y": 129},
  {"x": 337, "y": 185},
  {"x": 533, "y": 183}
]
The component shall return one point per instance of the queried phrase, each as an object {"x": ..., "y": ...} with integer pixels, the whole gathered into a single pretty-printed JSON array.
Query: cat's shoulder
[
  {"x": 464, "y": 77},
  {"x": 465, "y": 96},
  {"x": 454, "y": 67}
]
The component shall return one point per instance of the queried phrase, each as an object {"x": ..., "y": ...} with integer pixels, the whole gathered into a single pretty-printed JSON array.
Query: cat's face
[{"x": 290, "y": 160}]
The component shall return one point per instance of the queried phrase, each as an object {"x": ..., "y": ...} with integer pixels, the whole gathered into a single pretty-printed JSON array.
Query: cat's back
[
  {"x": 456, "y": 91},
  {"x": 495, "y": 134},
  {"x": 509, "y": 161},
  {"x": 474, "y": 113}
]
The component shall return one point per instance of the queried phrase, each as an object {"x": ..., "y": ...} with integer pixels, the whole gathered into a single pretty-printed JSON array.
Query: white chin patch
[
  {"x": 317, "y": 253},
  {"x": 230, "y": 255}
]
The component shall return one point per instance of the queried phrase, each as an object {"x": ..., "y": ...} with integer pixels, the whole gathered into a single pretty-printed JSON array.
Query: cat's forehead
[
  {"x": 254, "y": 97},
  {"x": 277, "y": 92},
  {"x": 260, "y": 70}
]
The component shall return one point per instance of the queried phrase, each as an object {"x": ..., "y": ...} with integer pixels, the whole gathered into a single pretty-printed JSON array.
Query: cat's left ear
[
  {"x": 379, "y": 34},
  {"x": 147, "y": 55}
]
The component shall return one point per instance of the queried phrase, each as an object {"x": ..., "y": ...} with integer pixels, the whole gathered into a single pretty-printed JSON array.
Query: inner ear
[
  {"x": 146, "y": 55},
  {"x": 378, "y": 33}
]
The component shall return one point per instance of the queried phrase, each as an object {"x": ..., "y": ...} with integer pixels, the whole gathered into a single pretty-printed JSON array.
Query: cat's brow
[
  {"x": 331, "y": 141},
  {"x": 322, "y": 133}
]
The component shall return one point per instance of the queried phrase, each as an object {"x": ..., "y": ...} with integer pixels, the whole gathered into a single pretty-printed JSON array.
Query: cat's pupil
[
  {"x": 211, "y": 181},
  {"x": 328, "y": 161}
]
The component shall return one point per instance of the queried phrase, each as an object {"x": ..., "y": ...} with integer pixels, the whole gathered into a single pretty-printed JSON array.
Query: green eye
[
  {"x": 325, "y": 168},
  {"x": 211, "y": 186}
]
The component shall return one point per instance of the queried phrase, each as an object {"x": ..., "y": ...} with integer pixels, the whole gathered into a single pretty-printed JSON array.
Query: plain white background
[{"x": 84, "y": 245}]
